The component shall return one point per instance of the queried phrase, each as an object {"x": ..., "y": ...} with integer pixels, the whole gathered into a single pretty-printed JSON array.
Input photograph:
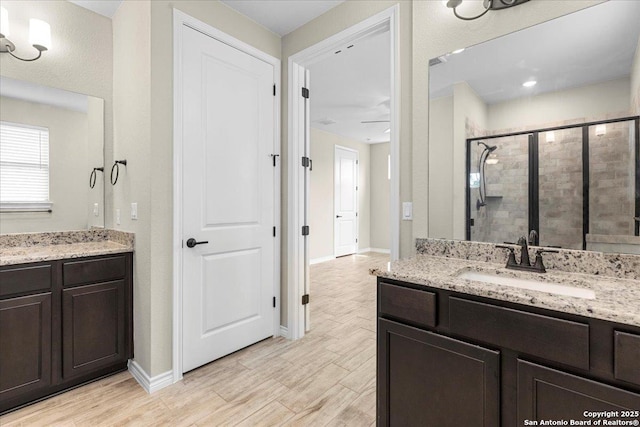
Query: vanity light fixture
[
  {"x": 601, "y": 130},
  {"x": 39, "y": 36},
  {"x": 530, "y": 83},
  {"x": 487, "y": 4}
]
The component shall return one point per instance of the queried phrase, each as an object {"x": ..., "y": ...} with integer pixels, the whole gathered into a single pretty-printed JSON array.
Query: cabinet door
[
  {"x": 25, "y": 345},
  {"x": 429, "y": 380},
  {"x": 548, "y": 394},
  {"x": 93, "y": 327}
]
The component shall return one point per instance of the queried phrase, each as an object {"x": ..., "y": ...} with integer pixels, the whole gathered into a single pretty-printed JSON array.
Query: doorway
[
  {"x": 345, "y": 202},
  {"x": 299, "y": 88}
]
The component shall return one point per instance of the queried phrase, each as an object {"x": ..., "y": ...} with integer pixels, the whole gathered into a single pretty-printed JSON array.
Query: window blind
[{"x": 24, "y": 165}]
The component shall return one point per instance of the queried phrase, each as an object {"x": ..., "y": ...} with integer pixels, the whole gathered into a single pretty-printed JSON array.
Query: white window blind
[{"x": 24, "y": 167}]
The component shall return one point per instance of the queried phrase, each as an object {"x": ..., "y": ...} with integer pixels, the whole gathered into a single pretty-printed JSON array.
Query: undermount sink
[{"x": 533, "y": 285}]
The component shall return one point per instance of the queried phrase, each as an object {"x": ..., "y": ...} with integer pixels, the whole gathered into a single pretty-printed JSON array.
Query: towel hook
[
  {"x": 116, "y": 168},
  {"x": 93, "y": 176}
]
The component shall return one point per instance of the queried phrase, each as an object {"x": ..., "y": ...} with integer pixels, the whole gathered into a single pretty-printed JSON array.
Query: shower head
[{"x": 488, "y": 148}]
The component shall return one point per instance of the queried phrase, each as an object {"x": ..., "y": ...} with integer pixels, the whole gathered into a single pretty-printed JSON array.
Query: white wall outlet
[
  {"x": 117, "y": 216},
  {"x": 96, "y": 210},
  {"x": 407, "y": 211},
  {"x": 134, "y": 211}
]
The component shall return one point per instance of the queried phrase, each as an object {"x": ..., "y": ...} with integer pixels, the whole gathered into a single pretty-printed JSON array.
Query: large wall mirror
[
  {"x": 51, "y": 159},
  {"x": 537, "y": 134}
]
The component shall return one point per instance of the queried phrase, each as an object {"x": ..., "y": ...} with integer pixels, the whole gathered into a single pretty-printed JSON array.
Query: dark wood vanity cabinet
[
  {"x": 63, "y": 323},
  {"x": 452, "y": 359}
]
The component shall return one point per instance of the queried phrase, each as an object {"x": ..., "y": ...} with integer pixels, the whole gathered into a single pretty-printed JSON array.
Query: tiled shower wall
[
  {"x": 612, "y": 180},
  {"x": 505, "y": 217}
]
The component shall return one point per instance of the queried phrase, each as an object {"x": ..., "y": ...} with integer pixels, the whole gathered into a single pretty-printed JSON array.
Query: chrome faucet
[{"x": 525, "y": 263}]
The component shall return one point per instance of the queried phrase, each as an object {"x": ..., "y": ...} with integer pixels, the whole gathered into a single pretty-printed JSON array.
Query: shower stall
[{"x": 564, "y": 186}]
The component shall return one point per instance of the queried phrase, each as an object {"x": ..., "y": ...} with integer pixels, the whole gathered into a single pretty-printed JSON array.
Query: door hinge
[
  {"x": 305, "y": 230},
  {"x": 356, "y": 213},
  {"x": 274, "y": 302},
  {"x": 274, "y": 90},
  {"x": 356, "y": 188},
  {"x": 357, "y": 162},
  {"x": 274, "y": 231},
  {"x": 305, "y": 299},
  {"x": 356, "y": 240},
  {"x": 305, "y": 93},
  {"x": 306, "y": 162},
  {"x": 274, "y": 156}
]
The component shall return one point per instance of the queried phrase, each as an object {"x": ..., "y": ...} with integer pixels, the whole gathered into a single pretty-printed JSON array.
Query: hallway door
[
  {"x": 228, "y": 209},
  {"x": 346, "y": 201}
]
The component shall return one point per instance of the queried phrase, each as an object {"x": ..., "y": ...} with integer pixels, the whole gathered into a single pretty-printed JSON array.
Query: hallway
[{"x": 326, "y": 378}]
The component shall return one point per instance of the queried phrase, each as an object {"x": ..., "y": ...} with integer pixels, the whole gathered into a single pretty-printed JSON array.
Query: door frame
[
  {"x": 335, "y": 149},
  {"x": 179, "y": 19},
  {"x": 387, "y": 19}
]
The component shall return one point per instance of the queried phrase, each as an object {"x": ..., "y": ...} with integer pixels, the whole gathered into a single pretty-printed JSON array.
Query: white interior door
[
  {"x": 346, "y": 202},
  {"x": 228, "y": 199}
]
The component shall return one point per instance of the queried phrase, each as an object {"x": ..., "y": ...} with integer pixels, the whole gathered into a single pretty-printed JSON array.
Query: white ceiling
[
  {"x": 282, "y": 16},
  {"x": 353, "y": 86},
  {"x": 103, "y": 7},
  {"x": 593, "y": 45}
]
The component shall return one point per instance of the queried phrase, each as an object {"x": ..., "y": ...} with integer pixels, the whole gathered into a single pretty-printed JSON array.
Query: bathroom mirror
[
  {"x": 536, "y": 134},
  {"x": 51, "y": 142}
]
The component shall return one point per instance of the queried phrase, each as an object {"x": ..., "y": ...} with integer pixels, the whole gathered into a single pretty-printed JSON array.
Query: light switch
[
  {"x": 134, "y": 211},
  {"x": 117, "y": 216},
  {"x": 96, "y": 211},
  {"x": 407, "y": 211}
]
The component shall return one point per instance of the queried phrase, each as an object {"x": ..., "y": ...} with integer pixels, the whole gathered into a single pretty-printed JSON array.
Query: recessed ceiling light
[
  {"x": 530, "y": 83},
  {"x": 457, "y": 51}
]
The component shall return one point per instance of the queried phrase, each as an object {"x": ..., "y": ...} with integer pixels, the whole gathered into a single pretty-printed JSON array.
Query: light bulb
[
  {"x": 39, "y": 34},
  {"x": 4, "y": 23}
]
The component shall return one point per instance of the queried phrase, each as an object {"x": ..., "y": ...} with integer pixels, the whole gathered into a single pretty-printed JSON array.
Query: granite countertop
[
  {"x": 616, "y": 299},
  {"x": 22, "y": 248},
  {"x": 23, "y": 255}
]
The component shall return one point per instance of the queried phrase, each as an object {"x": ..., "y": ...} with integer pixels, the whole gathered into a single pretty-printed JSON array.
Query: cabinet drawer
[
  {"x": 93, "y": 270},
  {"x": 408, "y": 304},
  {"x": 553, "y": 339},
  {"x": 25, "y": 279},
  {"x": 627, "y": 357}
]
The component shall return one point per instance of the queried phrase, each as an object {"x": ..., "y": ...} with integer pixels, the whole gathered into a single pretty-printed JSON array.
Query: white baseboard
[
  {"x": 378, "y": 250},
  {"x": 150, "y": 384},
  {"x": 284, "y": 332},
  {"x": 322, "y": 259}
]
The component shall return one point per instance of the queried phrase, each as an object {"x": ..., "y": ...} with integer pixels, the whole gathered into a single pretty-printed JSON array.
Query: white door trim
[
  {"x": 179, "y": 19},
  {"x": 337, "y": 147},
  {"x": 387, "y": 19}
]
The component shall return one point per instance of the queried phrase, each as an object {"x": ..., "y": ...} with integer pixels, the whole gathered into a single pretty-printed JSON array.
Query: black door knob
[{"x": 191, "y": 243}]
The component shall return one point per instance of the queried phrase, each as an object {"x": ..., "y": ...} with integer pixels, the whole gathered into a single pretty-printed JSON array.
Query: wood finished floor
[{"x": 325, "y": 379}]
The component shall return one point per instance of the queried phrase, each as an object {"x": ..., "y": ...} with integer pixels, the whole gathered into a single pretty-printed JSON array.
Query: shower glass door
[
  {"x": 499, "y": 189},
  {"x": 560, "y": 188}
]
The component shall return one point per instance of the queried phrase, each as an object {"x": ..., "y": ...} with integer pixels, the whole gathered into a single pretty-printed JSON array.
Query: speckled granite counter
[
  {"x": 35, "y": 247},
  {"x": 617, "y": 299}
]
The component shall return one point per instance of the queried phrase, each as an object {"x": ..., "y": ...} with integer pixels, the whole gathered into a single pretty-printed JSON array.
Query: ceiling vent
[{"x": 436, "y": 61}]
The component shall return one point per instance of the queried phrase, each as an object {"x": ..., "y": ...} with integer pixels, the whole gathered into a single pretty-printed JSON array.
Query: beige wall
[
  {"x": 68, "y": 176},
  {"x": 132, "y": 142},
  {"x": 635, "y": 82},
  {"x": 95, "y": 158},
  {"x": 380, "y": 197},
  {"x": 143, "y": 42},
  {"x": 321, "y": 204},
  {"x": 80, "y": 60},
  {"x": 469, "y": 110},
  {"x": 586, "y": 102},
  {"x": 435, "y": 32}
]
